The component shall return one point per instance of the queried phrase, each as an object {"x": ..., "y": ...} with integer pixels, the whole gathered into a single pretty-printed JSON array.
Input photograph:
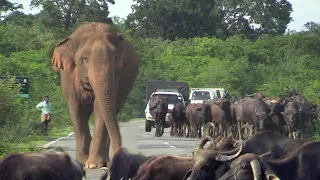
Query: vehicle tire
[{"x": 148, "y": 126}]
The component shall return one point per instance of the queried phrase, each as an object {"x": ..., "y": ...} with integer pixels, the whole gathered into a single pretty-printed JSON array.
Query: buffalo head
[
  {"x": 248, "y": 166},
  {"x": 210, "y": 164},
  {"x": 262, "y": 118}
]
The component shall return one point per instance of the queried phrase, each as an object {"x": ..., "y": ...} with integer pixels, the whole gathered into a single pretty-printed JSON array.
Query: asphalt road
[{"x": 135, "y": 139}]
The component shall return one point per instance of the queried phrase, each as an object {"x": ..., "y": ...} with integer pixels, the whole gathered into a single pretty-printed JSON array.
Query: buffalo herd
[
  {"x": 263, "y": 156},
  {"x": 254, "y": 138},
  {"x": 241, "y": 118}
]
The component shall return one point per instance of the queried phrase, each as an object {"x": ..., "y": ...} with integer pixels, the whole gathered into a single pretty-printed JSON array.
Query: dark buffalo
[
  {"x": 158, "y": 107},
  {"x": 171, "y": 122},
  {"x": 297, "y": 114},
  {"x": 253, "y": 112},
  {"x": 276, "y": 109},
  {"x": 179, "y": 118},
  {"x": 124, "y": 165},
  {"x": 303, "y": 164},
  {"x": 166, "y": 167},
  {"x": 209, "y": 164},
  {"x": 144, "y": 167},
  {"x": 221, "y": 112},
  {"x": 49, "y": 165},
  {"x": 193, "y": 111}
]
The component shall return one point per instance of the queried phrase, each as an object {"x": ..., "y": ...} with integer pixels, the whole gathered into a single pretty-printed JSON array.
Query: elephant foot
[
  {"x": 95, "y": 163},
  {"x": 82, "y": 160}
]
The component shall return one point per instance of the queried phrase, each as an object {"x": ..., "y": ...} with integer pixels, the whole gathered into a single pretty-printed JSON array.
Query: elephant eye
[{"x": 84, "y": 60}]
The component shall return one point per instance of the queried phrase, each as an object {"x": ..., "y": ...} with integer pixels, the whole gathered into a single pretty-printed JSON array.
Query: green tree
[
  {"x": 6, "y": 6},
  {"x": 64, "y": 15},
  {"x": 186, "y": 19}
]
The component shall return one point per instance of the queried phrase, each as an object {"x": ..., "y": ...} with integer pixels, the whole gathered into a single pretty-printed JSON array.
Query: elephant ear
[
  {"x": 119, "y": 44},
  {"x": 63, "y": 57}
]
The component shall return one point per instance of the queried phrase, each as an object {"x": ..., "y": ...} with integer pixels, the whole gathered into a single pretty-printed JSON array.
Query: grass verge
[
  {"x": 34, "y": 142},
  {"x": 136, "y": 119}
]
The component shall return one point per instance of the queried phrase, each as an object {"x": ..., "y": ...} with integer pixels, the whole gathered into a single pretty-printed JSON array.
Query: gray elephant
[{"x": 98, "y": 68}]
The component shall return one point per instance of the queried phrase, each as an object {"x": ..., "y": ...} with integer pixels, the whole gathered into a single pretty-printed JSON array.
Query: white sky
[{"x": 303, "y": 11}]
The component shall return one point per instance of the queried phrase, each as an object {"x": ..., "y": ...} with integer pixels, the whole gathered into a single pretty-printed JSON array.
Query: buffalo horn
[
  {"x": 250, "y": 95},
  {"x": 256, "y": 169},
  {"x": 202, "y": 142},
  {"x": 188, "y": 153},
  {"x": 221, "y": 157},
  {"x": 207, "y": 128},
  {"x": 107, "y": 171},
  {"x": 271, "y": 175}
]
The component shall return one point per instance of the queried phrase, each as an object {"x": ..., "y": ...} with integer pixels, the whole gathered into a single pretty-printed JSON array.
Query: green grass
[
  {"x": 35, "y": 142},
  {"x": 136, "y": 119}
]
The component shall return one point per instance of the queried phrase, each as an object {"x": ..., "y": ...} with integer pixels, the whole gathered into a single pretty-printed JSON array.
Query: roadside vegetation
[{"x": 233, "y": 55}]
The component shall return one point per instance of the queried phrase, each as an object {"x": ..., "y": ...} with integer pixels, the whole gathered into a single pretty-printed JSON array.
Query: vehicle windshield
[
  {"x": 200, "y": 95},
  {"x": 172, "y": 99}
]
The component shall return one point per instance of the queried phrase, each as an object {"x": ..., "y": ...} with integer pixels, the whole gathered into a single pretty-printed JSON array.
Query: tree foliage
[
  {"x": 186, "y": 19},
  {"x": 67, "y": 14},
  {"x": 6, "y": 6}
]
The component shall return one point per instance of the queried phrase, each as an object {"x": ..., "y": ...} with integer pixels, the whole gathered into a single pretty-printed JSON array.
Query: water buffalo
[
  {"x": 124, "y": 165},
  {"x": 221, "y": 113},
  {"x": 253, "y": 112},
  {"x": 166, "y": 167},
  {"x": 210, "y": 164},
  {"x": 179, "y": 118},
  {"x": 276, "y": 108},
  {"x": 49, "y": 165},
  {"x": 158, "y": 107},
  {"x": 193, "y": 111},
  {"x": 144, "y": 167},
  {"x": 303, "y": 164}
]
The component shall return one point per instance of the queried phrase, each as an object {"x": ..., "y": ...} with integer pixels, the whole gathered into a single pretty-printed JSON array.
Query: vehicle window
[
  {"x": 172, "y": 99},
  {"x": 218, "y": 94},
  {"x": 200, "y": 95}
]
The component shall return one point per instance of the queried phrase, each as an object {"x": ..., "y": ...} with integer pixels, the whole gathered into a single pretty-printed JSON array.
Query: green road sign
[{"x": 24, "y": 82}]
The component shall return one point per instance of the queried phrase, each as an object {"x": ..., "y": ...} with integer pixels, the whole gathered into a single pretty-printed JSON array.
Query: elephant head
[{"x": 95, "y": 54}]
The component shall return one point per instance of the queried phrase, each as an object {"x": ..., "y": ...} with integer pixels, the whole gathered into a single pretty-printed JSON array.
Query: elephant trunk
[{"x": 105, "y": 88}]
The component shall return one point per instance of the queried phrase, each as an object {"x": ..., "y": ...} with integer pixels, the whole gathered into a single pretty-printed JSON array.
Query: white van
[{"x": 198, "y": 95}]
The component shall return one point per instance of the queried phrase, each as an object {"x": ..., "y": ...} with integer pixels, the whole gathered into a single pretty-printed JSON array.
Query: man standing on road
[{"x": 45, "y": 107}]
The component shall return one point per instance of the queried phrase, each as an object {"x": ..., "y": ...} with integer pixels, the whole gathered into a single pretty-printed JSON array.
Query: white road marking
[
  {"x": 166, "y": 143},
  {"x": 52, "y": 142}
]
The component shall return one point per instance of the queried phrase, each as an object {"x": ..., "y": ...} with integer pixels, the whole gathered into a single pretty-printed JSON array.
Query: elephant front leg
[
  {"x": 80, "y": 117},
  {"x": 99, "y": 147}
]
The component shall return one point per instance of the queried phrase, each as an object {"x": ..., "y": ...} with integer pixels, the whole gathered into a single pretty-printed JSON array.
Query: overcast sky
[{"x": 303, "y": 10}]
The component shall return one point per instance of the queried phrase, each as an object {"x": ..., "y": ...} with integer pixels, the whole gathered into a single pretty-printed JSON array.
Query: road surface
[{"x": 135, "y": 140}]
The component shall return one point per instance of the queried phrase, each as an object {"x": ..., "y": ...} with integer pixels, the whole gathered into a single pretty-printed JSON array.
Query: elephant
[{"x": 98, "y": 68}]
